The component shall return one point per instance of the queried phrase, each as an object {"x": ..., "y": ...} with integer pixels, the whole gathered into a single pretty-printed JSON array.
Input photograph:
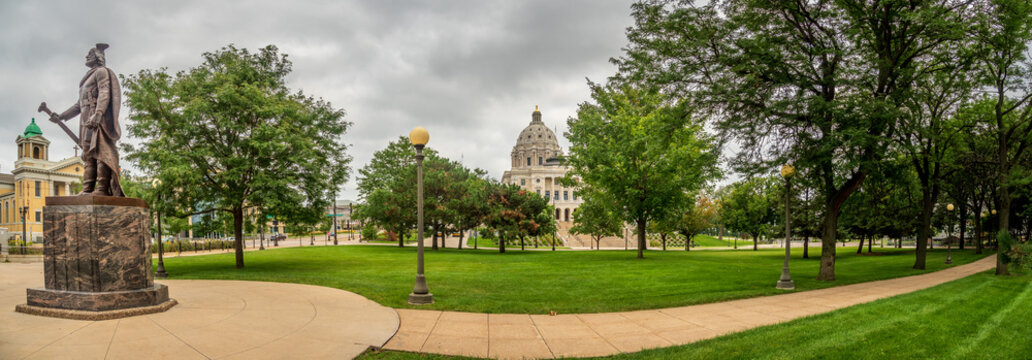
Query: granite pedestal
[{"x": 96, "y": 260}]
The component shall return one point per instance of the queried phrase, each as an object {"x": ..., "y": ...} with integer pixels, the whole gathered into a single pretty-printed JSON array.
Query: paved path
[
  {"x": 543, "y": 336},
  {"x": 214, "y": 320}
]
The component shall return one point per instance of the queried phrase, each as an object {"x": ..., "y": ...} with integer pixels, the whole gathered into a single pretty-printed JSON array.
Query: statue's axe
[{"x": 44, "y": 109}]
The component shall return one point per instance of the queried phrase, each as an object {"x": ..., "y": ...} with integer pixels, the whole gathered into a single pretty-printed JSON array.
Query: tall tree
[
  {"x": 385, "y": 186},
  {"x": 595, "y": 218},
  {"x": 749, "y": 207},
  {"x": 640, "y": 148},
  {"x": 1004, "y": 32},
  {"x": 467, "y": 211},
  {"x": 701, "y": 216},
  {"x": 927, "y": 131},
  {"x": 516, "y": 213},
  {"x": 230, "y": 133},
  {"x": 814, "y": 83}
]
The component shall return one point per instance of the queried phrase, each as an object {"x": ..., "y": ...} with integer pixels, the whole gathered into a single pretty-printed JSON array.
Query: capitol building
[{"x": 536, "y": 167}]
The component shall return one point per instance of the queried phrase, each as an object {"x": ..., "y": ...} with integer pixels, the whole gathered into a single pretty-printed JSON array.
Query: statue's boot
[
  {"x": 89, "y": 179},
  {"x": 103, "y": 180}
]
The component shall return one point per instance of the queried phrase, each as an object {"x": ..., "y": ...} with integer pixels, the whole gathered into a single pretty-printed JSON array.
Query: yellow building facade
[{"x": 35, "y": 177}]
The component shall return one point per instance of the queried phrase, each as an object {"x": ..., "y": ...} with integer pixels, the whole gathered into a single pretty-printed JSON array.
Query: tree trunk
[
  {"x": 870, "y": 242},
  {"x": 924, "y": 233},
  {"x": 827, "y": 269},
  {"x": 434, "y": 239},
  {"x": 522, "y": 246},
  {"x": 978, "y": 234},
  {"x": 755, "y": 242},
  {"x": 501, "y": 244},
  {"x": 641, "y": 238},
  {"x": 963, "y": 224},
  {"x": 598, "y": 241},
  {"x": 401, "y": 238},
  {"x": 860, "y": 249},
  {"x": 1004, "y": 221},
  {"x": 662, "y": 237},
  {"x": 238, "y": 230},
  {"x": 806, "y": 246},
  {"x": 462, "y": 234}
]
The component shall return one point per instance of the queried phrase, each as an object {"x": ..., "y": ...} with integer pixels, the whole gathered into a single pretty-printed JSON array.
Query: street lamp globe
[
  {"x": 787, "y": 171},
  {"x": 994, "y": 211},
  {"x": 949, "y": 207},
  {"x": 419, "y": 136}
]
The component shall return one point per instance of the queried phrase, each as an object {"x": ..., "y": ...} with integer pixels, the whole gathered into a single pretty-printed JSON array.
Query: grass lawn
[
  {"x": 539, "y": 281},
  {"x": 981, "y": 316},
  {"x": 713, "y": 241}
]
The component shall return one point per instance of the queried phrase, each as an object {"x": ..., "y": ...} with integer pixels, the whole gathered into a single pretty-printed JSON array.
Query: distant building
[
  {"x": 343, "y": 212},
  {"x": 537, "y": 167},
  {"x": 33, "y": 179}
]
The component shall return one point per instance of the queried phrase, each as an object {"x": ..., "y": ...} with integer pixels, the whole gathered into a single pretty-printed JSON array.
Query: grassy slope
[
  {"x": 539, "y": 281},
  {"x": 981, "y": 316}
]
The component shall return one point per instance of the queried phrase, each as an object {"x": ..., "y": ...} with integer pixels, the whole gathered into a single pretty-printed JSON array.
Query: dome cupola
[{"x": 535, "y": 144}]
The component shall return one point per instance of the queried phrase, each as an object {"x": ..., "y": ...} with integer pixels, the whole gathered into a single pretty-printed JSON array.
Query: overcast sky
[{"x": 471, "y": 72}]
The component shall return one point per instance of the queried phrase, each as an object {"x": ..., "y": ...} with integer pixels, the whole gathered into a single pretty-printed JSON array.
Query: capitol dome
[{"x": 536, "y": 144}]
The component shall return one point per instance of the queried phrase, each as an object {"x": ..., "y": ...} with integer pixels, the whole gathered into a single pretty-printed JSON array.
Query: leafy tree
[
  {"x": 927, "y": 134},
  {"x": 818, "y": 84},
  {"x": 1003, "y": 34},
  {"x": 516, "y": 213},
  {"x": 467, "y": 210},
  {"x": 701, "y": 216},
  {"x": 749, "y": 207},
  {"x": 387, "y": 188},
  {"x": 595, "y": 218},
  {"x": 231, "y": 134},
  {"x": 646, "y": 153}
]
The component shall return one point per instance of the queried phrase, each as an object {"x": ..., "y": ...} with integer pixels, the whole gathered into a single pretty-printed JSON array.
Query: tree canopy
[
  {"x": 640, "y": 148},
  {"x": 230, "y": 134}
]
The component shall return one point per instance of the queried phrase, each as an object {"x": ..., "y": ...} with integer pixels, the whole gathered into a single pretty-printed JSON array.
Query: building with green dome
[{"x": 33, "y": 178}]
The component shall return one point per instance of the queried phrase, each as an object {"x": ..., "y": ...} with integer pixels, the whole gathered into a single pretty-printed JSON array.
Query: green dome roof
[{"x": 32, "y": 129}]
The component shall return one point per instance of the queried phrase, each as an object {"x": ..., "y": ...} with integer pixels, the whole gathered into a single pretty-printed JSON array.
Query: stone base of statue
[{"x": 96, "y": 260}]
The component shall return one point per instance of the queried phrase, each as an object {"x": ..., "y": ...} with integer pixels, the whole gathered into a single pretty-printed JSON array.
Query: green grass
[
  {"x": 539, "y": 281},
  {"x": 407, "y": 242},
  {"x": 981, "y": 316},
  {"x": 713, "y": 241}
]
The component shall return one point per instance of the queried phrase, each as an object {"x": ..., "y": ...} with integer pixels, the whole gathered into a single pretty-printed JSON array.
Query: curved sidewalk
[
  {"x": 513, "y": 336},
  {"x": 214, "y": 320}
]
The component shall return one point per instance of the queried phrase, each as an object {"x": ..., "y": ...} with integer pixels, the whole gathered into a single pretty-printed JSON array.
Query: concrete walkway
[
  {"x": 514, "y": 336},
  {"x": 214, "y": 320}
]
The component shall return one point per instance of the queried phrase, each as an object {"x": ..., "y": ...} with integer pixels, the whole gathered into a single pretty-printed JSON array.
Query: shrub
[{"x": 369, "y": 232}]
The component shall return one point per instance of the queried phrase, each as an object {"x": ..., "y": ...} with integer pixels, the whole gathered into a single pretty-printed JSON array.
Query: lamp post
[
  {"x": 335, "y": 230},
  {"x": 420, "y": 292},
  {"x": 949, "y": 234},
  {"x": 786, "y": 282},
  {"x": 25, "y": 230},
  {"x": 261, "y": 231},
  {"x": 161, "y": 249}
]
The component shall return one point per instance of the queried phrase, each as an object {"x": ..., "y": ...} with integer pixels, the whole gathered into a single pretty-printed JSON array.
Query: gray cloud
[{"x": 469, "y": 71}]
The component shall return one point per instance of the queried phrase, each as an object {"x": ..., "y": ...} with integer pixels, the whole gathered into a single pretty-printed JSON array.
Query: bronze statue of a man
[{"x": 100, "y": 98}]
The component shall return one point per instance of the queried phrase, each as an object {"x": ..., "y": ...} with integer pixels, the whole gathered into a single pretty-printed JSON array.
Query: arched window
[
  {"x": 557, "y": 214},
  {"x": 35, "y": 152},
  {"x": 566, "y": 217}
]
